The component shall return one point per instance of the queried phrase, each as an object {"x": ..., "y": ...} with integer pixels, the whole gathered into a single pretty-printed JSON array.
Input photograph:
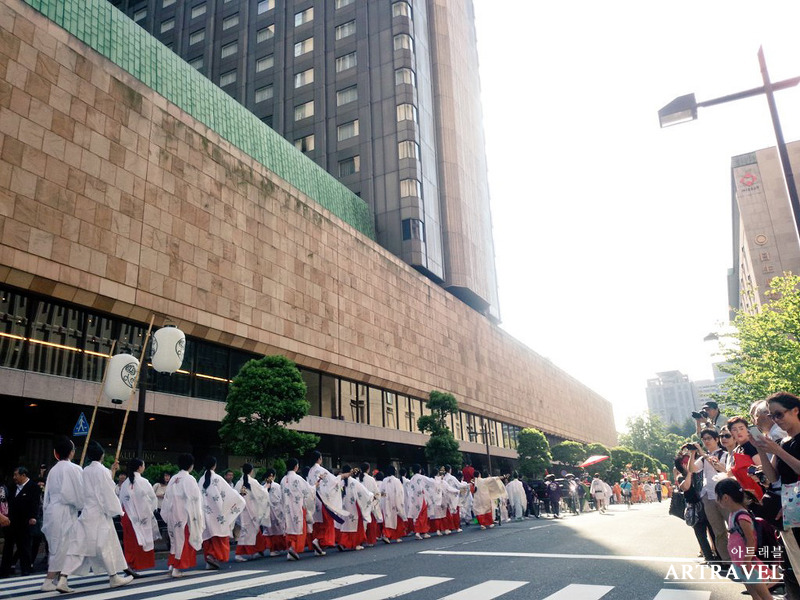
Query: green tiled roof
[{"x": 103, "y": 27}]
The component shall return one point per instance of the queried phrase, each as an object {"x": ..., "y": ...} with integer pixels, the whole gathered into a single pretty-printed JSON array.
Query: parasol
[{"x": 592, "y": 460}]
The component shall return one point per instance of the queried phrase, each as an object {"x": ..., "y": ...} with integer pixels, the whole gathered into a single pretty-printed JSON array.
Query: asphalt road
[{"x": 622, "y": 555}]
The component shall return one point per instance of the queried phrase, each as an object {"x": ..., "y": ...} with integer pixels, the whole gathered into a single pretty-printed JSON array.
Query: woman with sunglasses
[
  {"x": 727, "y": 442},
  {"x": 784, "y": 409}
]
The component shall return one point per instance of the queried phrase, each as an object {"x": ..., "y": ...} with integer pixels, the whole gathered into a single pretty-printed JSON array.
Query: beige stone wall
[{"x": 114, "y": 199}]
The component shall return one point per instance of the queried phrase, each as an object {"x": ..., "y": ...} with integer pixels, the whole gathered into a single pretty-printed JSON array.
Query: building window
[
  {"x": 198, "y": 11},
  {"x": 262, "y": 64},
  {"x": 263, "y": 93},
  {"x": 304, "y": 16},
  {"x": 167, "y": 25},
  {"x": 304, "y": 47},
  {"x": 347, "y": 131},
  {"x": 229, "y": 49},
  {"x": 347, "y": 95},
  {"x": 348, "y": 61},
  {"x": 413, "y": 229},
  {"x": 304, "y": 78},
  {"x": 403, "y": 41},
  {"x": 197, "y": 37},
  {"x": 405, "y": 76},
  {"x": 343, "y": 3},
  {"x": 140, "y": 14},
  {"x": 267, "y": 33},
  {"x": 265, "y": 5},
  {"x": 408, "y": 149},
  {"x": 349, "y": 166},
  {"x": 410, "y": 188},
  {"x": 406, "y": 112},
  {"x": 345, "y": 30},
  {"x": 229, "y": 22},
  {"x": 267, "y": 120},
  {"x": 401, "y": 9},
  {"x": 167, "y": 3},
  {"x": 227, "y": 78},
  {"x": 304, "y": 111},
  {"x": 196, "y": 63},
  {"x": 305, "y": 144}
]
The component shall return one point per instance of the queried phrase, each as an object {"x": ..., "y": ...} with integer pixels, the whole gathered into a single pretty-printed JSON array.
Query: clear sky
[{"x": 612, "y": 236}]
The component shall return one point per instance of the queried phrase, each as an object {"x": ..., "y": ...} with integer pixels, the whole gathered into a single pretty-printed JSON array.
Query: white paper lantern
[
  {"x": 122, "y": 370},
  {"x": 168, "y": 347}
]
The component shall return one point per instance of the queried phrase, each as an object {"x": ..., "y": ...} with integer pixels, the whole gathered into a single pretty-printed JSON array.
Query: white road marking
[
  {"x": 578, "y": 591},
  {"x": 539, "y": 527},
  {"x": 682, "y": 595},
  {"x": 314, "y": 588},
  {"x": 393, "y": 590},
  {"x": 238, "y": 585},
  {"x": 668, "y": 559},
  {"x": 32, "y": 583},
  {"x": 486, "y": 590}
]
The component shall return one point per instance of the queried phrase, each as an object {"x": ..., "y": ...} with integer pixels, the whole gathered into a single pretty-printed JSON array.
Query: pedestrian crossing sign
[{"x": 81, "y": 427}]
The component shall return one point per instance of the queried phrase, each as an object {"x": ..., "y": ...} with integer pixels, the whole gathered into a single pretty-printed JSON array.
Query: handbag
[
  {"x": 694, "y": 513},
  {"x": 790, "y": 502},
  {"x": 677, "y": 506}
]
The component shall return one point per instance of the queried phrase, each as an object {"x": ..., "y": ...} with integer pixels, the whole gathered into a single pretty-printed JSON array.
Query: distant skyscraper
[
  {"x": 384, "y": 95},
  {"x": 672, "y": 397}
]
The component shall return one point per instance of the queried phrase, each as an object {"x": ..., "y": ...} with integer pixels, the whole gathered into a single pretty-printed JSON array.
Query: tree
[
  {"x": 603, "y": 468},
  {"x": 621, "y": 457},
  {"x": 569, "y": 453},
  {"x": 267, "y": 394},
  {"x": 764, "y": 357},
  {"x": 685, "y": 429},
  {"x": 442, "y": 447},
  {"x": 534, "y": 452},
  {"x": 646, "y": 434}
]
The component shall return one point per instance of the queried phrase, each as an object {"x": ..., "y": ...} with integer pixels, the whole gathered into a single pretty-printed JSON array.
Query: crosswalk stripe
[
  {"x": 239, "y": 585},
  {"x": 578, "y": 591},
  {"x": 32, "y": 583},
  {"x": 396, "y": 589},
  {"x": 486, "y": 590},
  {"x": 683, "y": 595},
  {"x": 314, "y": 588},
  {"x": 668, "y": 559}
]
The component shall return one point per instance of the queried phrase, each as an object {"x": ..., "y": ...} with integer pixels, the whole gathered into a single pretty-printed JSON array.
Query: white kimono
[
  {"x": 517, "y": 497},
  {"x": 328, "y": 493},
  {"x": 419, "y": 489},
  {"x": 372, "y": 486},
  {"x": 221, "y": 505},
  {"x": 482, "y": 502},
  {"x": 95, "y": 544},
  {"x": 356, "y": 497},
  {"x": 255, "y": 513},
  {"x": 297, "y": 495},
  {"x": 63, "y": 498},
  {"x": 392, "y": 501},
  {"x": 463, "y": 494},
  {"x": 277, "y": 522},
  {"x": 183, "y": 505},
  {"x": 139, "y": 502},
  {"x": 449, "y": 501}
]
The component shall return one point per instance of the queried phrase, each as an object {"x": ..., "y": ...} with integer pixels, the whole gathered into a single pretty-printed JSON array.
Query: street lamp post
[
  {"x": 484, "y": 432},
  {"x": 684, "y": 108}
]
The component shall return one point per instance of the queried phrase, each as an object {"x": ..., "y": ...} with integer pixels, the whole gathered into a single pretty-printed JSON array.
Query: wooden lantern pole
[
  {"x": 96, "y": 404},
  {"x": 133, "y": 389}
]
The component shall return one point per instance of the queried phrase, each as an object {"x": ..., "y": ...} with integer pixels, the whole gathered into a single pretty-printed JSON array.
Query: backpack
[{"x": 769, "y": 548}]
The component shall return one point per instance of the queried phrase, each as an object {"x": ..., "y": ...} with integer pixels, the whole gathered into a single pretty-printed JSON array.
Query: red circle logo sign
[{"x": 748, "y": 179}]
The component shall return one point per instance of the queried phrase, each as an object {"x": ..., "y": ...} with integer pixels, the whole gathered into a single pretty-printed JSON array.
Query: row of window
[{"x": 45, "y": 336}]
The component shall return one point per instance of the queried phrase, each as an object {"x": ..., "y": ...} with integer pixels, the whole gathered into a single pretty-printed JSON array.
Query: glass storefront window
[
  {"x": 13, "y": 325},
  {"x": 311, "y": 379},
  {"x": 390, "y": 410},
  {"x": 375, "y": 403},
  {"x": 456, "y": 425},
  {"x": 211, "y": 371},
  {"x": 413, "y": 413},
  {"x": 97, "y": 346},
  {"x": 56, "y": 340},
  {"x": 329, "y": 397},
  {"x": 403, "y": 418},
  {"x": 354, "y": 404}
]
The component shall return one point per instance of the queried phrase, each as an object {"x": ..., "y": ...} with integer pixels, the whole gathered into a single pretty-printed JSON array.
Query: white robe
[
  {"x": 183, "y": 505},
  {"x": 297, "y": 495},
  {"x": 63, "y": 498},
  {"x": 450, "y": 494},
  {"x": 255, "y": 513},
  {"x": 392, "y": 501},
  {"x": 356, "y": 497},
  {"x": 221, "y": 505},
  {"x": 517, "y": 497},
  {"x": 482, "y": 502},
  {"x": 419, "y": 488},
  {"x": 95, "y": 544},
  {"x": 139, "y": 502},
  {"x": 329, "y": 493},
  {"x": 372, "y": 486},
  {"x": 277, "y": 521}
]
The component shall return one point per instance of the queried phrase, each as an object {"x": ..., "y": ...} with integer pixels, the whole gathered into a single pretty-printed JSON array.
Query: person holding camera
[
  {"x": 712, "y": 460},
  {"x": 706, "y": 417}
]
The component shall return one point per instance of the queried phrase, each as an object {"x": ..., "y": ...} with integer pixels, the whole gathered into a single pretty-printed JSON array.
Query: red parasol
[{"x": 592, "y": 460}]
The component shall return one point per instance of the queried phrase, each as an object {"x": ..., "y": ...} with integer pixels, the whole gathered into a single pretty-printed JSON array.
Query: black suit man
[{"x": 23, "y": 510}]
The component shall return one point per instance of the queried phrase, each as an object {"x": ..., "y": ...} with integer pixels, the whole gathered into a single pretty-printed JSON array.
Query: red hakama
[
  {"x": 325, "y": 532},
  {"x": 298, "y": 541},
  {"x": 188, "y": 555},
  {"x": 485, "y": 519},
  {"x": 137, "y": 559},
  {"x": 455, "y": 520},
  {"x": 260, "y": 546},
  {"x": 396, "y": 533},
  {"x": 276, "y": 543},
  {"x": 373, "y": 531},
  {"x": 421, "y": 524},
  {"x": 217, "y": 547},
  {"x": 351, "y": 539}
]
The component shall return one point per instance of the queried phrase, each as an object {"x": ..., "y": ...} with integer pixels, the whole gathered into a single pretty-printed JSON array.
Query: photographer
[
  {"x": 707, "y": 417},
  {"x": 712, "y": 460}
]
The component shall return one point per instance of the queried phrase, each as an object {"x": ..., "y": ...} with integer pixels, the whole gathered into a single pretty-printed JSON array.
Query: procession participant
[
  {"x": 182, "y": 511},
  {"x": 465, "y": 505},
  {"x": 437, "y": 509},
  {"x": 392, "y": 506},
  {"x": 420, "y": 490},
  {"x": 255, "y": 514},
  {"x": 298, "y": 503},
  {"x": 483, "y": 505},
  {"x": 517, "y": 497},
  {"x": 160, "y": 488},
  {"x": 94, "y": 545},
  {"x": 373, "y": 528},
  {"x": 139, "y": 525},
  {"x": 598, "y": 491},
  {"x": 463, "y": 491},
  {"x": 228, "y": 477},
  {"x": 63, "y": 499},
  {"x": 357, "y": 501},
  {"x": 409, "y": 524},
  {"x": 446, "y": 504},
  {"x": 553, "y": 490},
  {"x": 222, "y": 508},
  {"x": 328, "y": 505},
  {"x": 275, "y": 530},
  {"x": 23, "y": 512}
]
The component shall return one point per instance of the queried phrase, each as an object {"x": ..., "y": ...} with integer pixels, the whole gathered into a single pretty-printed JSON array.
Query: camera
[{"x": 699, "y": 415}]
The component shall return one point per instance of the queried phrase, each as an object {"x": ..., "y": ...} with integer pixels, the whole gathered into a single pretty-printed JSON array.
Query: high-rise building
[
  {"x": 384, "y": 95},
  {"x": 765, "y": 243},
  {"x": 671, "y": 396}
]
